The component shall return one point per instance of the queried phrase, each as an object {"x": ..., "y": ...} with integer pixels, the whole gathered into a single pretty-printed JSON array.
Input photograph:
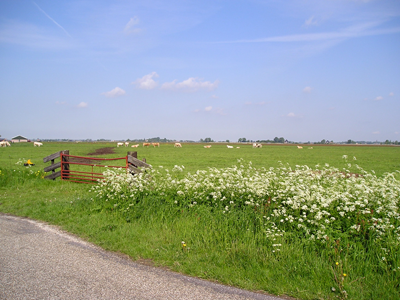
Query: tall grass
[{"x": 333, "y": 227}]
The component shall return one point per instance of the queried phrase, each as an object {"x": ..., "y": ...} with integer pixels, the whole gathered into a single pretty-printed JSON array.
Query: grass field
[
  {"x": 245, "y": 234},
  {"x": 194, "y": 157}
]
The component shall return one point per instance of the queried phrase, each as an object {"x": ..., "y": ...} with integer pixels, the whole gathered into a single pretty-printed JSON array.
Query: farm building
[{"x": 19, "y": 139}]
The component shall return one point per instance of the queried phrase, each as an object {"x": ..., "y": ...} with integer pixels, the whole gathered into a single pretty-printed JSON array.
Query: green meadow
[{"x": 320, "y": 223}]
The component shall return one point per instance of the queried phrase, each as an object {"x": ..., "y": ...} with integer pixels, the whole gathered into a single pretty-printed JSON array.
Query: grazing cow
[
  {"x": 135, "y": 146},
  {"x": 238, "y": 147},
  {"x": 229, "y": 146},
  {"x": 156, "y": 144},
  {"x": 146, "y": 144},
  {"x": 300, "y": 147},
  {"x": 178, "y": 145},
  {"x": 120, "y": 144},
  {"x": 255, "y": 145},
  {"x": 37, "y": 144},
  {"x": 4, "y": 144},
  {"x": 310, "y": 147},
  {"x": 207, "y": 146},
  {"x": 126, "y": 144}
]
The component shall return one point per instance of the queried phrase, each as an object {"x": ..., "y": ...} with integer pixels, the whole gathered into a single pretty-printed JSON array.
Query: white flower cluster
[{"x": 320, "y": 204}]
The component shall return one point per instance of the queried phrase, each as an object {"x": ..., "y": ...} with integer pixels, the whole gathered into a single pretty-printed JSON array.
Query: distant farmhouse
[{"x": 19, "y": 139}]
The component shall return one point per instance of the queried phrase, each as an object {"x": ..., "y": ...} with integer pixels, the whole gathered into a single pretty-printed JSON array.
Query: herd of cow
[
  {"x": 7, "y": 144},
  {"x": 126, "y": 144}
]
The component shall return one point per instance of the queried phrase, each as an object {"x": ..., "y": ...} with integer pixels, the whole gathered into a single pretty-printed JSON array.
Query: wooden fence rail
[{"x": 66, "y": 161}]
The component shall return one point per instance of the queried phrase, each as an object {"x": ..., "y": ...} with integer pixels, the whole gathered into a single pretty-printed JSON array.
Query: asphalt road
[{"x": 38, "y": 261}]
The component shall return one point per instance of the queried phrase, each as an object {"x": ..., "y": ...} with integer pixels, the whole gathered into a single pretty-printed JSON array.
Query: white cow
[
  {"x": 178, "y": 145},
  {"x": 135, "y": 146},
  {"x": 120, "y": 144},
  {"x": 4, "y": 144},
  {"x": 207, "y": 146},
  {"x": 126, "y": 144},
  {"x": 37, "y": 144},
  {"x": 229, "y": 146},
  {"x": 300, "y": 147},
  {"x": 255, "y": 145}
]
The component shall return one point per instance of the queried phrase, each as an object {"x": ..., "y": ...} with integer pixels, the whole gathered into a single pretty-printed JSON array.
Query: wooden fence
[{"x": 69, "y": 170}]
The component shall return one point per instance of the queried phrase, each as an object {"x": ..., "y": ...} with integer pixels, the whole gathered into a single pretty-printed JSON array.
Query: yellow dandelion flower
[
  {"x": 344, "y": 274},
  {"x": 337, "y": 263}
]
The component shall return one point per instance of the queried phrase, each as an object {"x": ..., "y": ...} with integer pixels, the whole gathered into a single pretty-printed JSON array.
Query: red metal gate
[{"x": 68, "y": 173}]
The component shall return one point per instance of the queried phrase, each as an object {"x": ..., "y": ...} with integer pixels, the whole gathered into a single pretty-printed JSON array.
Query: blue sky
[{"x": 182, "y": 69}]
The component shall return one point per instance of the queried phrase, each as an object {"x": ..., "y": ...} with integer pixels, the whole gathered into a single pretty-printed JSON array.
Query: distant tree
[
  {"x": 279, "y": 140},
  {"x": 323, "y": 141},
  {"x": 208, "y": 140},
  {"x": 227, "y": 141},
  {"x": 242, "y": 140}
]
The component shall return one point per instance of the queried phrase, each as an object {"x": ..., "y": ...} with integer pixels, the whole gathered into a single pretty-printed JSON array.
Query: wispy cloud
[
  {"x": 29, "y": 35},
  {"x": 359, "y": 30},
  {"x": 66, "y": 32},
  {"x": 210, "y": 109},
  {"x": 379, "y": 98},
  {"x": 391, "y": 94},
  {"x": 82, "y": 105},
  {"x": 307, "y": 89},
  {"x": 255, "y": 103},
  {"x": 292, "y": 115},
  {"x": 116, "y": 92},
  {"x": 190, "y": 84},
  {"x": 130, "y": 26},
  {"x": 147, "y": 82},
  {"x": 310, "y": 22},
  {"x": 375, "y": 132}
]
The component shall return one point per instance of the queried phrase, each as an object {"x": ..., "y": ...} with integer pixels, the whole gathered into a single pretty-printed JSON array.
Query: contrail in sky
[{"x": 52, "y": 19}]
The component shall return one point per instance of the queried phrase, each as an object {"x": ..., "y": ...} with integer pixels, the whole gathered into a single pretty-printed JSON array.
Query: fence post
[
  {"x": 53, "y": 171},
  {"x": 133, "y": 153},
  {"x": 65, "y": 165}
]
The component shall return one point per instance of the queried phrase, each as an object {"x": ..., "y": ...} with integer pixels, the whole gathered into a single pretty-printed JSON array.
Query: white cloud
[
  {"x": 129, "y": 27},
  {"x": 307, "y": 89},
  {"x": 214, "y": 97},
  {"x": 359, "y": 30},
  {"x": 375, "y": 132},
  {"x": 82, "y": 105},
  {"x": 291, "y": 115},
  {"x": 255, "y": 103},
  {"x": 379, "y": 98},
  {"x": 116, "y": 92},
  {"x": 61, "y": 103},
  {"x": 147, "y": 82},
  {"x": 391, "y": 94},
  {"x": 210, "y": 109},
  {"x": 310, "y": 22},
  {"x": 190, "y": 84}
]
